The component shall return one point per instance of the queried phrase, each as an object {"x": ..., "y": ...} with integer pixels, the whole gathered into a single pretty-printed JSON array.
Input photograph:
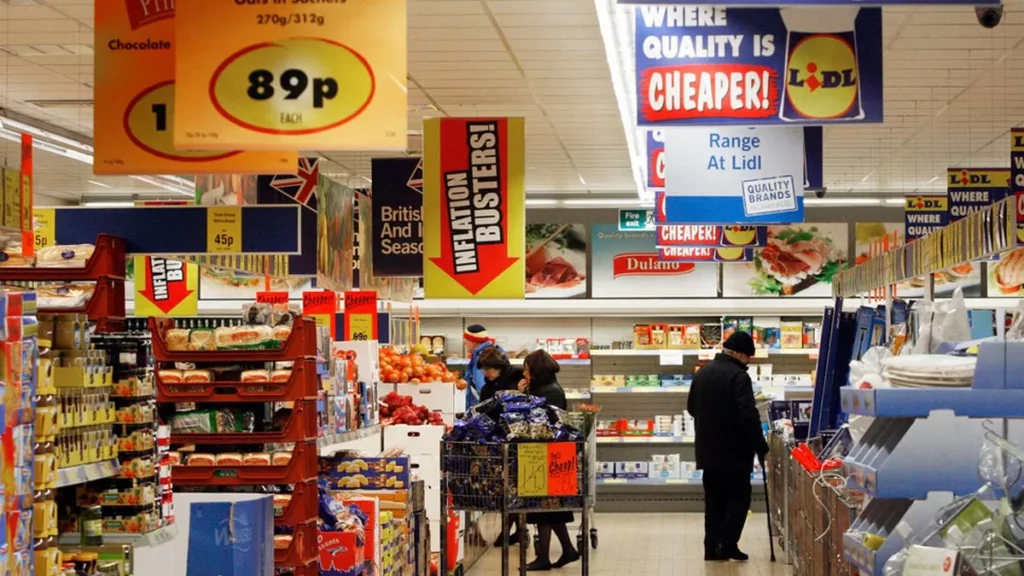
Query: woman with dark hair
[
  {"x": 498, "y": 373},
  {"x": 539, "y": 371}
]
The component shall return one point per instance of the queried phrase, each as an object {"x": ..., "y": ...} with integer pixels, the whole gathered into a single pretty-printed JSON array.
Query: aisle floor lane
[{"x": 656, "y": 544}]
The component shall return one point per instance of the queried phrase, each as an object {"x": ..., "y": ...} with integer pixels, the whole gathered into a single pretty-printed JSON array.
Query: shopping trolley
[{"x": 489, "y": 478}]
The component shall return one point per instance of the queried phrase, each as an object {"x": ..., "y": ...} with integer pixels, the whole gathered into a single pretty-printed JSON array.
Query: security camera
[
  {"x": 820, "y": 192},
  {"x": 989, "y": 16}
]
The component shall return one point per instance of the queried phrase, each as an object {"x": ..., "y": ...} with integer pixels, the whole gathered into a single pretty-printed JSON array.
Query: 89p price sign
[{"x": 326, "y": 75}]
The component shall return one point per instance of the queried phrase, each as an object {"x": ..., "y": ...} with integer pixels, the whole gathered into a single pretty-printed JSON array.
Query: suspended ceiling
[{"x": 952, "y": 91}]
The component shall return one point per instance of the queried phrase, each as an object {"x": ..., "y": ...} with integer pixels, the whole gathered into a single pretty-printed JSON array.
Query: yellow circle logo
[
  {"x": 149, "y": 122},
  {"x": 730, "y": 253},
  {"x": 822, "y": 77},
  {"x": 294, "y": 86}
]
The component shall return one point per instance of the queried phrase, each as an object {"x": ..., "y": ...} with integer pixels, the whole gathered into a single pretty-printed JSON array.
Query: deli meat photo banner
[{"x": 474, "y": 208}]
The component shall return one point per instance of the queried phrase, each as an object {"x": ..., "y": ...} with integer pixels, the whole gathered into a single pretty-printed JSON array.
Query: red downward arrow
[
  {"x": 492, "y": 260},
  {"x": 176, "y": 290}
]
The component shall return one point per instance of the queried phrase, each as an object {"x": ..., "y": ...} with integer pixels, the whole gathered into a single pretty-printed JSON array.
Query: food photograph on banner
[
  {"x": 556, "y": 261},
  {"x": 626, "y": 264},
  {"x": 798, "y": 260}
]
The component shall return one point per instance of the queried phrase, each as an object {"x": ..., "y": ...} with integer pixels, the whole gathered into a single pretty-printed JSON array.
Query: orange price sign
[{"x": 562, "y": 470}]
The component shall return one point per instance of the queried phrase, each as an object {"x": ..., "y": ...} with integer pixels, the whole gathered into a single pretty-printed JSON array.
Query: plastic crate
[
  {"x": 302, "y": 550},
  {"x": 301, "y": 426},
  {"x": 302, "y": 468},
  {"x": 301, "y": 344},
  {"x": 303, "y": 385},
  {"x": 303, "y": 507}
]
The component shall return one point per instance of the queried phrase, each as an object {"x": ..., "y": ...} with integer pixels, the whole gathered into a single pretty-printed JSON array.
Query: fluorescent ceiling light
[
  {"x": 620, "y": 202},
  {"x": 541, "y": 202},
  {"x": 895, "y": 201},
  {"x": 617, "y": 35},
  {"x": 177, "y": 189},
  {"x": 14, "y": 125},
  {"x": 111, "y": 204},
  {"x": 842, "y": 201},
  {"x": 101, "y": 184}
]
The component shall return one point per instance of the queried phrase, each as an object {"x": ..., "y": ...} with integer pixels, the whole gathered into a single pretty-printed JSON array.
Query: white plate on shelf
[
  {"x": 931, "y": 363},
  {"x": 904, "y": 382}
]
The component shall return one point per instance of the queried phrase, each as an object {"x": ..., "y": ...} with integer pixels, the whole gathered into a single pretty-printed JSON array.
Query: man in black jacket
[{"x": 728, "y": 436}]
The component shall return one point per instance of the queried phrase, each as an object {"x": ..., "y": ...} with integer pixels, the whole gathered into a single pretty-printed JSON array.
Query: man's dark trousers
[{"x": 726, "y": 504}]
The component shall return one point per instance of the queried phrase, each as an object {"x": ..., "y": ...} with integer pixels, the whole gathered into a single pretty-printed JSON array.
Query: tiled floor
[{"x": 657, "y": 544}]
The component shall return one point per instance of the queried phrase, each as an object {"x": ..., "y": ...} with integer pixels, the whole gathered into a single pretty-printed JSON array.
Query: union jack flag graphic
[{"x": 300, "y": 186}]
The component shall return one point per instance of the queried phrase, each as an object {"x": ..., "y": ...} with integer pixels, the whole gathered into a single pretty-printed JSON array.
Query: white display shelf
[
  {"x": 86, "y": 473},
  {"x": 795, "y": 389},
  {"x": 519, "y": 362},
  {"x": 577, "y": 395},
  {"x": 365, "y": 439},
  {"x": 645, "y": 439},
  {"x": 149, "y": 539}
]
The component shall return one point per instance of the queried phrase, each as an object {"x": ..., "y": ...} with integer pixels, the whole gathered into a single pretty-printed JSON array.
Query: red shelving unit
[
  {"x": 301, "y": 556},
  {"x": 106, "y": 267},
  {"x": 302, "y": 385},
  {"x": 300, "y": 427},
  {"x": 300, "y": 344}
]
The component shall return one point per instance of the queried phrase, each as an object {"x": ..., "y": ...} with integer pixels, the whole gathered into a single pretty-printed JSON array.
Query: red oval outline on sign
[
  {"x": 131, "y": 136},
  {"x": 220, "y": 109}
]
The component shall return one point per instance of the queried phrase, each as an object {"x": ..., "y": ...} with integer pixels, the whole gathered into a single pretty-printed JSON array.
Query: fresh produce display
[
  {"x": 398, "y": 409},
  {"x": 397, "y": 368}
]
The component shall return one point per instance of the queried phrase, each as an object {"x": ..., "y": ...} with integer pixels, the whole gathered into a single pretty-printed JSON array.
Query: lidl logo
[
  {"x": 965, "y": 178},
  {"x": 926, "y": 203},
  {"x": 822, "y": 76}
]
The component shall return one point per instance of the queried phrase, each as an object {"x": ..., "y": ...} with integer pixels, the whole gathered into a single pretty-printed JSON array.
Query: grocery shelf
[
  {"x": 645, "y": 439},
  {"x": 86, "y": 473},
  {"x": 301, "y": 426},
  {"x": 148, "y": 539},
  {"x": 300, "y": 344},
  {"x": 519, "y": 361},
  {"x": 107, "y": 260},
  {"x": 106, "y": 307},
  {"x": 301, "y": 551},
  {"x": 353, "y": 440},
  {"x": 701, "y": 352},
  {"x": 686, "y": 389},
  {"x": 920, "y": 402},
  {"x": 577, "y": 395},
  {"x": 302, "y": 468},
  {"x": 303, "y": 506},
  {"x": 302, "y": 385},
  {"x": 894, "y": 521}
]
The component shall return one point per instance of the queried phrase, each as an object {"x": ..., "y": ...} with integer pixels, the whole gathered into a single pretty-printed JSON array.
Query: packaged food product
[
  {"x": 281, "y": 502},
  {"x": 72, "y": 295},
  {"x": 201, "y": 339},
  {"x": 255, "y": 376},
  {"x": 281, "y": 458},
  {"x": 64, "y": 256},
  {"x": 176, "y": 339},
  {"x": 14, "y": 256},
  {"x": 256, "y": 313},
  {"x": 202, "y": 460},
  {"x": 642, "y": 336},
  {"x": 282, "y": 541},
  {"x": 229, "y": 459},
  {"x": 256, "y": 459},
  {"x": 174, "y": 458},
  {"x": 212, "y": 421},
  {"x": 171, "y": 376},
  {"x": 244, "y": 337},
  {"x": 280, "y": 375},
  {"x": 281, "y": 333},
  {"x": 197, "y": 376}
]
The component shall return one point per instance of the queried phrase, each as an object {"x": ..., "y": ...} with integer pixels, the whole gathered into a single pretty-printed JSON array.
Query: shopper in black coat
[
  {"x": 499, "y": 374},
  {"x": 539, "y": 371},
  {"x": 728, "y": 436}
]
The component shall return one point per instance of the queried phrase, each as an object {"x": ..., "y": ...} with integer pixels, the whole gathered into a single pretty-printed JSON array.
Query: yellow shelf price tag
[
  {"x": 360, "y": 327},
  {"x": 45, "y": 225},
  {"x": 532, "y": 477},
  {"x": 224, "y": 230}
]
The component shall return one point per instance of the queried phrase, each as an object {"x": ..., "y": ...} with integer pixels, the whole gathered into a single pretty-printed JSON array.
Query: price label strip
[
  {"x": 45, "y": 225},
  {"x": 224, "y": 230},
  {"x": 360, "y": 327}
]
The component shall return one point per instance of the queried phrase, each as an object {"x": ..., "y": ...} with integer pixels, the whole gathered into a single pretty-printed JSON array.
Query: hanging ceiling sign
[
  {"x": 924, "y": 214},
  {"x": 474, "y": 208},
  {"x": 705, "y": 235},
  {"x": 1017, "y": 177},
  {"x": 734, "y": 175},
  {"x": 298, "y": 75},
  {"x": 691, "y": 254},
  {"x": 971, "y": 190},
  {"x": 397, "y": 224},
  {"x": 655, "y": 160},
  {"x": 135, "y": 112},
  {"x": 712, "y": 65}
]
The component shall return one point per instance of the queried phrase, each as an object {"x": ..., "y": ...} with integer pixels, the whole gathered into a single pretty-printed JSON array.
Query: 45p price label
[
  {"x": 293, "y": 86},
  {"x": 224, "y": 230}
]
